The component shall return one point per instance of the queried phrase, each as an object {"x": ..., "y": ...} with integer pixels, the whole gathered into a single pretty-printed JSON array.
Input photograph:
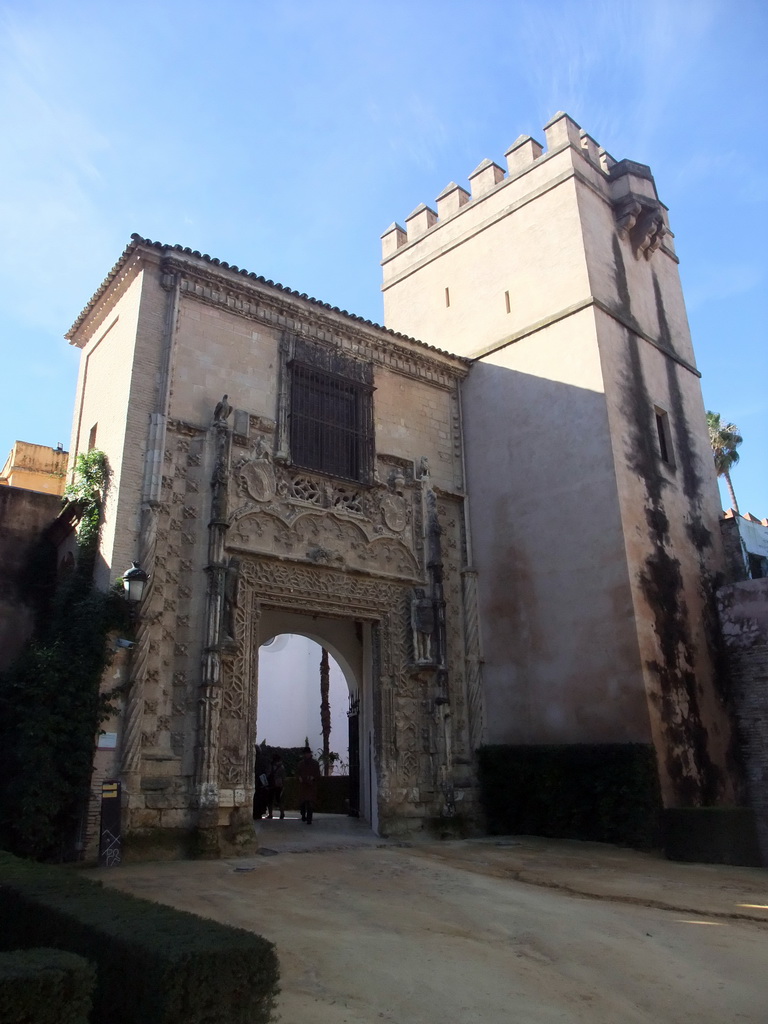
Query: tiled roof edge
[{"x": 138, "y": 241}]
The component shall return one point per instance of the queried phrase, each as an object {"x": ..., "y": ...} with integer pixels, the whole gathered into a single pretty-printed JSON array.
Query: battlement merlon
[{"x": 627, "y": 185}]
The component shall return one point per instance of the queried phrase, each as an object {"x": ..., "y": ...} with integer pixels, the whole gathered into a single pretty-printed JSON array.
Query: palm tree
[
  {"x": 325, "y": 710},
  {"x": 725, "y": 439}
]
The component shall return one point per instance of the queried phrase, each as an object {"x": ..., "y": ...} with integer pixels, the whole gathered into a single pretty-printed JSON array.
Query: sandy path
[{"x": 412, "y": 936}]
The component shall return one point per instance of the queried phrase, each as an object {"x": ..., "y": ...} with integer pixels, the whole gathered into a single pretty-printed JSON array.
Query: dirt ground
[{"x": 527, "y": 930}]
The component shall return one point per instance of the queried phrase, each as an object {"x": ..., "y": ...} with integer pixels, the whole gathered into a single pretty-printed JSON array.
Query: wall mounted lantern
[{"x": 134, "y": 581}]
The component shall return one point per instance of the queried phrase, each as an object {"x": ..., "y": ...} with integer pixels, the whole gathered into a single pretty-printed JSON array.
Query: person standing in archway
[
  {"x": 276, "y": 780},
  {"x": 308, "y": 774}
]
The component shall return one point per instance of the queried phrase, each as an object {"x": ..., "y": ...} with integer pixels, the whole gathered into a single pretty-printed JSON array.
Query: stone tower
[{"x": 593, "y": 498}]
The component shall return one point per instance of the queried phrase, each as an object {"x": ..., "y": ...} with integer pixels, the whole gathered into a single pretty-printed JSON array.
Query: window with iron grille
[{"x": 330, "y": 422}]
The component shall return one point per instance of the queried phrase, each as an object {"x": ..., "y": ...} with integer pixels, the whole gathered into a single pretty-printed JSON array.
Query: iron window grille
[{"x": 331, "y": 422}]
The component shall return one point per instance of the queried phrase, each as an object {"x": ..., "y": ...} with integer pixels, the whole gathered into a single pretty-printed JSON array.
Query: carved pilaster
[
  {"x": 130, "y": 747},
  {"x": 473, "y": 660},
  {"x": 209, "y": 705}
]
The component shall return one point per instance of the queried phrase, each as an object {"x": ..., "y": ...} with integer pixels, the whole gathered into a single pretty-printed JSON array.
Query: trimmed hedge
[
  {"x": 154, "y": 963},
  {"x": 607, "y": 793},
  {"x": 45, "y": 986}
]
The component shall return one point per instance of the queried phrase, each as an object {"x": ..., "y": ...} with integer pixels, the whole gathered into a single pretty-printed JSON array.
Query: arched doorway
[
  {"x": 349, "y": 645},
  {"x": 289, "y": 699}
]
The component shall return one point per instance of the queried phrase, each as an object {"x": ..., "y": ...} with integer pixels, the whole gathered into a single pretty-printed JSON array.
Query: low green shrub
[
  {"x": 606, "y": 793},
  {"x": 45, "y": 986},
  {"x": 155, "y": 964}
]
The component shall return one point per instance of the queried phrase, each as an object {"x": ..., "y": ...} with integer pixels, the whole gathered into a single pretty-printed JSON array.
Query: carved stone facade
[
  {"x": 235, "y": 534},
  {"x": 328, "y": 491}
]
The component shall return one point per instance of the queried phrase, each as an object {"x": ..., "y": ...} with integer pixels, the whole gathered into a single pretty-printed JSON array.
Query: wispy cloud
[
  {"x": 616, "y": 64},
  {"x": 718, "y": 282},
  {"x": 49, "y": 177}
]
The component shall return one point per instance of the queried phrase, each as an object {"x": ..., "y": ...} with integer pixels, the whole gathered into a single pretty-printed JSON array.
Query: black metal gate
[{"x": 353, "y": 717}]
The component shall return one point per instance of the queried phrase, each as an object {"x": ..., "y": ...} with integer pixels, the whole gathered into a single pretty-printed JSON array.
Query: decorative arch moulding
[{"x": 292, "y": 585}]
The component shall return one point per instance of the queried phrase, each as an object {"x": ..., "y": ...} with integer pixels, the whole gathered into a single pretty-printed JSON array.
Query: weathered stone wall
[
  {"x": 743, "y": 609},
  {"x": 24, "y": 515},
  {"x": 559, "y": 639},
  {"x": 733, "y": 550}
]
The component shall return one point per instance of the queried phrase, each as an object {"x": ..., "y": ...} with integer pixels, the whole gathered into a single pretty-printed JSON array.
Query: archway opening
[
  {"x": 289, "y": 699},
  {"x": 349, "y": 645}
]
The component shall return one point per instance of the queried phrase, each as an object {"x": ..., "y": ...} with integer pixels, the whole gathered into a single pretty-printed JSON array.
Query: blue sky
[{"x": 284, "y": 137}]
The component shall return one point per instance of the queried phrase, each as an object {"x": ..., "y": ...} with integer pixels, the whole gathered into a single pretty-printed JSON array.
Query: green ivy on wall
[{"x": 50, "y": 700}]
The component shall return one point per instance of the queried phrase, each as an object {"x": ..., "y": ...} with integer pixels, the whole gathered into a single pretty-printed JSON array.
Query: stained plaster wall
[
  {"x": 561, "y": 660},
  {"x": 561, "y": 656},
  {"x": 560, "y": 429},
  {"x": 669, "y": 511}
]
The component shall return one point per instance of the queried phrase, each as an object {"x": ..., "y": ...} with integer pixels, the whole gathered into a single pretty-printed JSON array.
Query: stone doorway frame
[
  {"x": 349, "y": 642},
  {"x": 269, "y": 585}
]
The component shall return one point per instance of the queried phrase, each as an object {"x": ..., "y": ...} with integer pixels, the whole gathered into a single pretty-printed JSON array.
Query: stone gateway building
[{"x": 504, "y": 531}]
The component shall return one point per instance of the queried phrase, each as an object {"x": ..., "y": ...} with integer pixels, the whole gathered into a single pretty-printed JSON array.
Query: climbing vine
[
  {"x": 50, "y": 700},
  {"x": 86, "y": 492}
]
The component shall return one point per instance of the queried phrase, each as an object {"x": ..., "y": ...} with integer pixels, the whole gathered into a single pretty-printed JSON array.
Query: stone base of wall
[
  {"x": 711, "y": 835},
  {"x": 207, "y": 840}
]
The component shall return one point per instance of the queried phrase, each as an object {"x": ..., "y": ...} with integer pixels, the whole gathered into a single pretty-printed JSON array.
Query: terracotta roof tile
[{"x": 138, "y": 241}]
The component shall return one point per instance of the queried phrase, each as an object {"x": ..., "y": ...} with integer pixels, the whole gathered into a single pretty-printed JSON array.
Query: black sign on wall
[{"x": 110, "y": 839}]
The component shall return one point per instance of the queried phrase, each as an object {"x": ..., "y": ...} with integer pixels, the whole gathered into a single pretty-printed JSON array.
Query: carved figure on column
[
  {"x": 422, "y": 626},
  {"x": 222, "y": 411}
]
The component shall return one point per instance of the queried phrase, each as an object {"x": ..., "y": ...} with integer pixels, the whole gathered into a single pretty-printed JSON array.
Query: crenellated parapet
[{"x": 628, "y": 186}]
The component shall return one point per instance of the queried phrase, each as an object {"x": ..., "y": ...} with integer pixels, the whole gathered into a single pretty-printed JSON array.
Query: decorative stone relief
[
  {"x": 394, "y": 512},
  {"x": 310, "y": 518},
  {"x": 640, "y": 219},
  {"x": 256, "y": 477}
]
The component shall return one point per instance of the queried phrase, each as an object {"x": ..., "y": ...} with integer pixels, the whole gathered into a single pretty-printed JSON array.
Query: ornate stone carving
[
  {"x": 231, "y": 767},
  {"x": 640, "y": 219},
  {"x": 309, "y": 518},
  {"x": 394, "y": 512},
  {"x": 256, "y": 477},
  {"x": 422, "y": 626},
  {"x": 410, "y": 764},
  {"x": 319, "y": 588},
  {"x": 475, "y": 708},
  {"x": 133, "y": 719}
]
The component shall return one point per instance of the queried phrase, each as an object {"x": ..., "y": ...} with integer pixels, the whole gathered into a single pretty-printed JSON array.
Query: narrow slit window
[
  {"x": 447, "y": 297},
  {"x": 665, "y": 441},
  {"x": 92, "y": 438},
  {"x": 507, "y": 302}
]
